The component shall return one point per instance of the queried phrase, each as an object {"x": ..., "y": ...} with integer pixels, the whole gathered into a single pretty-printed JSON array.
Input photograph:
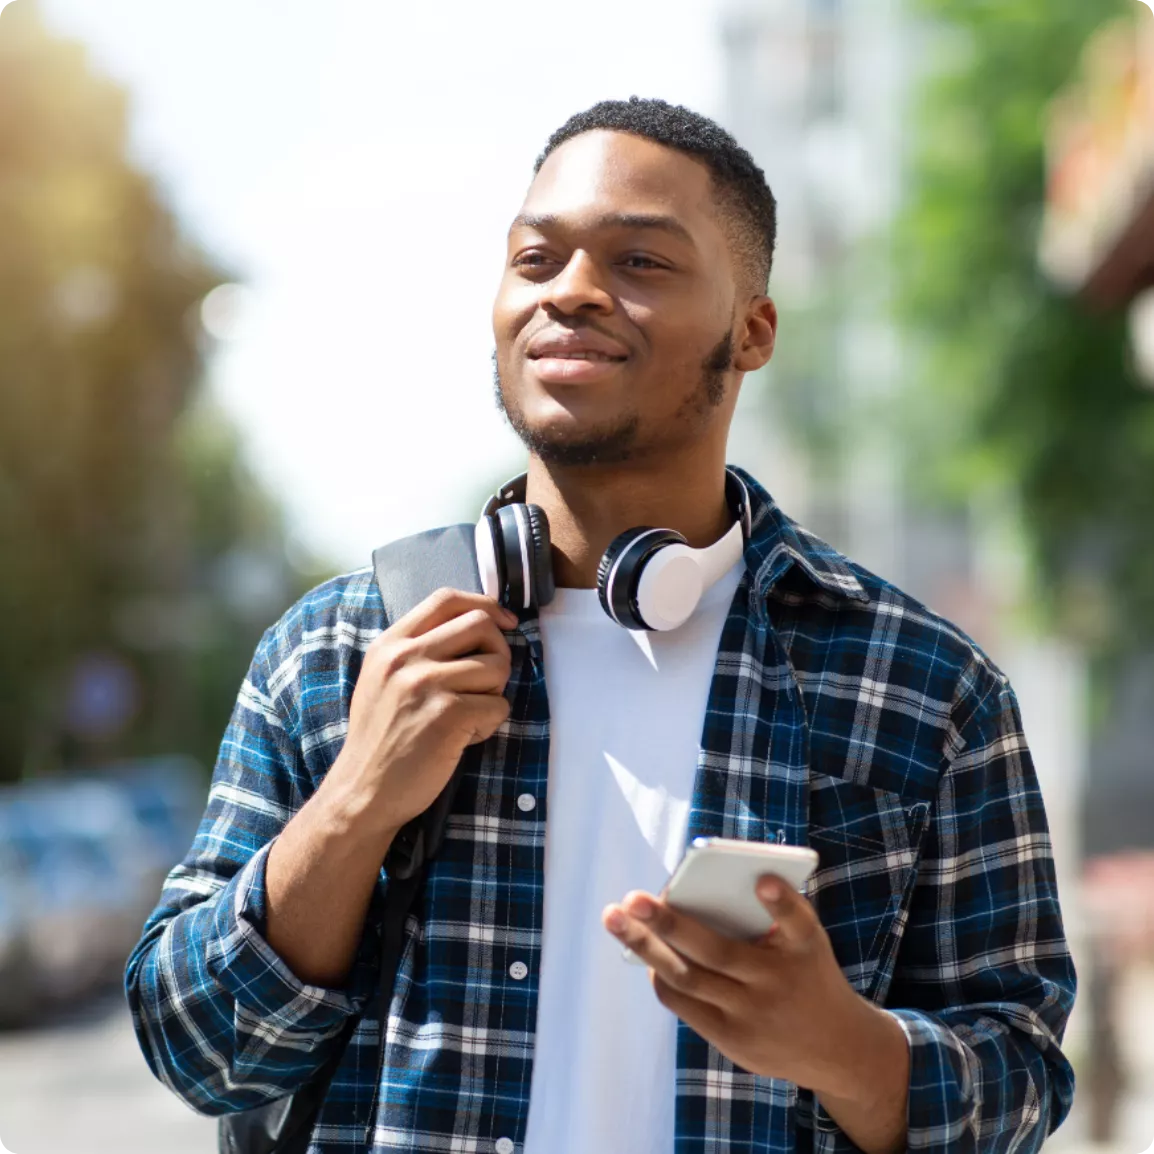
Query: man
[{"x": 915, "y": 996}]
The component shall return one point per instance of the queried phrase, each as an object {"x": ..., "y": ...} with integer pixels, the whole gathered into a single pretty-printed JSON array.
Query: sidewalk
[{"x": 1135, "y": 1124}]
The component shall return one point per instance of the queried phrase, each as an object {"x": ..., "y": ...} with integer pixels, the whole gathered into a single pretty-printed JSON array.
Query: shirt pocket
[{"x": 867, "y": 841}]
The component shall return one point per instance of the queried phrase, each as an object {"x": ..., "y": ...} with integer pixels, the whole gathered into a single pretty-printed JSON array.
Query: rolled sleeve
[
  {"x": 240, "y": 958},
  {"x": 941, "y": 1097},
  {"x": 984, "y": 982},
  {"x": 221, "y": 1018}
]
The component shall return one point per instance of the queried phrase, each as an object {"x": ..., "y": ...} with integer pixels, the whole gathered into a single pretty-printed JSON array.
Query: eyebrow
[{"x": 630, "y": 220}]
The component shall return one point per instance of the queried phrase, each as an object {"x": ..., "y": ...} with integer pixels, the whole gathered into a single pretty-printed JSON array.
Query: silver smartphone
[{"x": 716, "y": 883}]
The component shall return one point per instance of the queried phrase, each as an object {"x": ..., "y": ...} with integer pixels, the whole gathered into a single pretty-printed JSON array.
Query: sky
[{"x": 357, "y": 171}]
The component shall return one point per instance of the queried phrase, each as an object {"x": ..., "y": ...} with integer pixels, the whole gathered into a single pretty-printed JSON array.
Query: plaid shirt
[{"x": 842, "y": 715}]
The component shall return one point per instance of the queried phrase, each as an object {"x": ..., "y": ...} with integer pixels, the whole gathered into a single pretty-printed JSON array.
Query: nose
[{"x": 578, "y": 288}]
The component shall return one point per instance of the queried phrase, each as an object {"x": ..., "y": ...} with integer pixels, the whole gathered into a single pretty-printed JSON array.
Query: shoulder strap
[{"x": 407, "y": 571}]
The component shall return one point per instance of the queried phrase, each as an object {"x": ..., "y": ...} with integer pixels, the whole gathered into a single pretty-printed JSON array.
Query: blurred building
[
  {"x": 817, "y": 91},
  {"x": 1098, "y": 241}
]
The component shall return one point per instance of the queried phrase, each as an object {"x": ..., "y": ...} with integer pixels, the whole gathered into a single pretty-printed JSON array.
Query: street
[{"x": 81, "y": 1086}]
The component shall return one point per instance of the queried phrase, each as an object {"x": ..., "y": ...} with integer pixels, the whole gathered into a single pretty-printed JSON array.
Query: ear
[{"x": 760, "y": 335}]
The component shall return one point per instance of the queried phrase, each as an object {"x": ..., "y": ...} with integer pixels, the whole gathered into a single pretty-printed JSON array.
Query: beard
[{"x": 613, "y": 443}]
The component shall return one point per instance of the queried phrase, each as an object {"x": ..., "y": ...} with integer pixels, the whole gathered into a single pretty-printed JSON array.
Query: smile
[
  {"x": 601, "y": 358},
  {"x": 574, "y": 368}
]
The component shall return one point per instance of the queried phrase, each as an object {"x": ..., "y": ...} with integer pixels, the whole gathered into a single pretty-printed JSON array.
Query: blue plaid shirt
[{"x": 842, "y": 715}]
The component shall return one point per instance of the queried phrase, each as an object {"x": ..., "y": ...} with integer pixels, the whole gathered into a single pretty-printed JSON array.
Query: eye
[
  {"x": 531, "y": 259},
  {"x": 638, "y": 261}
]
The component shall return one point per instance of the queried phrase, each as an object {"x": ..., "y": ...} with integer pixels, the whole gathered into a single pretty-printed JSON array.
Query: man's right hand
[{"x": 431, "y": 684}]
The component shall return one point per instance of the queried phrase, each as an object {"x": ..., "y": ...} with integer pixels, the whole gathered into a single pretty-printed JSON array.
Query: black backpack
[{"x": 407, "y": 571}]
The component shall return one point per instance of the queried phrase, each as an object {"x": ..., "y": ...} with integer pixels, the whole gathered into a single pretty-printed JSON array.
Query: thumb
[{"x": 793, "y": 916}]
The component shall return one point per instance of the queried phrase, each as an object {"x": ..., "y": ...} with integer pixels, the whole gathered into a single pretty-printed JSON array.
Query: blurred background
[{"x": 247, "y": 258}]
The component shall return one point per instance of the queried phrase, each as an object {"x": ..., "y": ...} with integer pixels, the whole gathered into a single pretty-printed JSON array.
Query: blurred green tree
[
  {"x": 1025, "y": 391},
  {"x": 139, "y": 560}
]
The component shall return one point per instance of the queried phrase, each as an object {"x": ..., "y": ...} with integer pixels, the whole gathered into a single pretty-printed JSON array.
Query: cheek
[
  {"x": 678, "y": 351},
  {"x": 514, "y": 306}
]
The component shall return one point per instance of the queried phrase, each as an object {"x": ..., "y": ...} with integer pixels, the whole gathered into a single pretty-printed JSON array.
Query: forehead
[{"x": 602, "y": 172}]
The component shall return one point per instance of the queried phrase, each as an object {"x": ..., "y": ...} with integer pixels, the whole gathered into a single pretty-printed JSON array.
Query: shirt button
[
  {"x": 526, "y": 802},
  {"x": 517, "y": 971},
  {"x": 505, "y": 1146}
]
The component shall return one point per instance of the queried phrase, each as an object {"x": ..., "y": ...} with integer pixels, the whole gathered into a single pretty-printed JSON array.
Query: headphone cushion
[
  {"x": 541, "y": 561},
  {"x": 617, "y": 591}
]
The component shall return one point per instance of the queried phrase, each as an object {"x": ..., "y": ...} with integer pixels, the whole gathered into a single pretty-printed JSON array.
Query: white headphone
[{"x": 648, "y": 578}]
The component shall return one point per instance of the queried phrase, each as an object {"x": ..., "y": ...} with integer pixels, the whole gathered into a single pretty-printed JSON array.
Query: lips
[
  {"x": 563, "y": 357},
  {"x": 588, "y": 346},
  {"x": 579, "y": 354}
]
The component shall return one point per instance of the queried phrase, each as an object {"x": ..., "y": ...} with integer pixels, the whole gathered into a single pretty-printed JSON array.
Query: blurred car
[
  {"x": 167, "y": 796},
  {"x": 57, "y": 924},
  {"x": 17, "y": 964},
  {"x": 82, "y": 862},
  {"x": 75, "y": 844}
]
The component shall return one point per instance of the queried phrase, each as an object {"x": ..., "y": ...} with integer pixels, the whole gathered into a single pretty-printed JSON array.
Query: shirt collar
[{"x": 777, "y": 543}]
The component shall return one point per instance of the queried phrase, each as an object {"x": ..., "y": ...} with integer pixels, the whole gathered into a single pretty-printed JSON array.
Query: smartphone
[{"x": 716, "y": 883}]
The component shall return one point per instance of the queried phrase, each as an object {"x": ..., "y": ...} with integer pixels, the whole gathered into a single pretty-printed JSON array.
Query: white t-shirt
[{"x": 626, "y": 715}]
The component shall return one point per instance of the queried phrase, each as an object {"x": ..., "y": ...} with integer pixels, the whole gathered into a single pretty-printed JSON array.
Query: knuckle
[
  {"x": 478, "y": 619},
  {"x": 392, "y": 658},
  {"x": 442, "y": 598},
  {"x": 439, "y": 706}
]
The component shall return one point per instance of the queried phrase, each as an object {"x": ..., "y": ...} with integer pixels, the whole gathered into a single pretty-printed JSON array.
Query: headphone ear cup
[
  {"x": 512, "y": 551},
  {"x": 620, "y": 569},
  {"x": 541, "y": 560},
  {"x": 608, "y": 560}
]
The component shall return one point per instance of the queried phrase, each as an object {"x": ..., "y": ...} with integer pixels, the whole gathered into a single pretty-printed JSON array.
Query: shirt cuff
[
  {"x": 259, "y": 980},
  {"x": 942, "y": 1097}
]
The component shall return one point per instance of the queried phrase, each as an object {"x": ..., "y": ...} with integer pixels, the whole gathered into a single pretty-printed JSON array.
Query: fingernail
[
  {"x": 615, "y": 920},
  {"x": 770, "y": 890}
]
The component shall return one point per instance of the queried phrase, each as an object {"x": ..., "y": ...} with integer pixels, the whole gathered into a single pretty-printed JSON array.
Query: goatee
[{"x": 616, "y": 443}]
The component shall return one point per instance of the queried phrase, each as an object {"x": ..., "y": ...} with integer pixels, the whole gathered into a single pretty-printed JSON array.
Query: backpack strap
[{"x": 407, "y": 571}]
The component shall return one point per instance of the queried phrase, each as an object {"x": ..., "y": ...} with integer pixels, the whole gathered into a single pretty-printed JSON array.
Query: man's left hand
[{"x": 780, "y": 1007}]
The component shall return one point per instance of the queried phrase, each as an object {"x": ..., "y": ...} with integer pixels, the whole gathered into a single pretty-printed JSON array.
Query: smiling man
[{"x": 915, "y": 997}]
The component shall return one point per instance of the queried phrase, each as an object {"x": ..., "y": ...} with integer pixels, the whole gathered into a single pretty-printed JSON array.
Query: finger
[
  {"x": 706, "y": 1019},
  {"x": 477, "y": 673},
  {"x": 695, "y": 941},
  {"x": 485, "y": 713},
  {"x": 795, "y": 921},
  {"x": 444, "y": 605},
  {"x": 472, "y": 632},
  {"x": 676, "y": 971}
]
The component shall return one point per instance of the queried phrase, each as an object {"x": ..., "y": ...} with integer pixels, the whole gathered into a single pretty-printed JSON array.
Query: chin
[{"x": 574, "y": 443}]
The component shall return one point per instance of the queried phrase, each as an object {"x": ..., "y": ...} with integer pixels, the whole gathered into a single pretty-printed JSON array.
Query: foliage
[
  {"x": 1029, "y": 390},
  {"x": 124, "y": 502}
]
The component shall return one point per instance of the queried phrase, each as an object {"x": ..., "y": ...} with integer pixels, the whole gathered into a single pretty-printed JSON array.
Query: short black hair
[{"x": 740, "y": 187}]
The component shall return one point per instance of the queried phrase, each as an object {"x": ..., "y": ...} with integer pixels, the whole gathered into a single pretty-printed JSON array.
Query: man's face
[{"x": 615, "y": 315}]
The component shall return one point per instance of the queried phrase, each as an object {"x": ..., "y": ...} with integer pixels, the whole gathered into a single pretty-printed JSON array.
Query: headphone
[{"x": 647, "y": 579}]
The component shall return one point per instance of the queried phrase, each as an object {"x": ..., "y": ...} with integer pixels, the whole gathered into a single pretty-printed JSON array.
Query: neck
[{"x": 588, "y": 506}]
